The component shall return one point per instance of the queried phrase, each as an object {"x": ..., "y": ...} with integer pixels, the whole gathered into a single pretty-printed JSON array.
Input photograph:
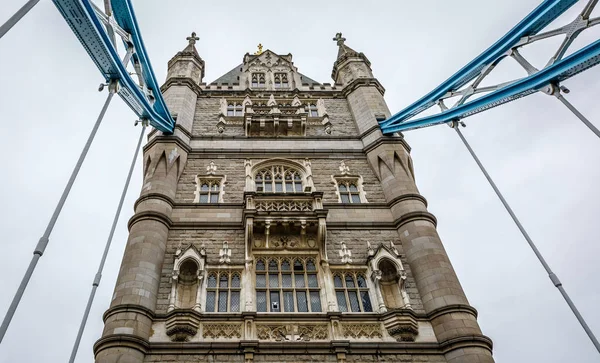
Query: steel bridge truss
[
  {"x": 97, "y": 31},
  {"x": 466, "y": 83}
]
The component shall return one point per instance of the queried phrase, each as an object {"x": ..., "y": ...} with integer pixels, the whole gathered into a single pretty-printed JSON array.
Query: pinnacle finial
[
  {"x": 260, "y": 49},
  {"x": 192, "y": 39},
  {"x": 339, "y": 39}
]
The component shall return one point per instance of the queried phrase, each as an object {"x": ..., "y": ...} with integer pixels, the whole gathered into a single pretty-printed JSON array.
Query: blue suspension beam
[
  {"x": 523, "y": 33},
  {"x": 146, "y": 99},
  {"x": 559, "y": 71}
]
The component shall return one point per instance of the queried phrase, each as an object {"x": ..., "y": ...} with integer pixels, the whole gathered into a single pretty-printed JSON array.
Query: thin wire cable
[
  {"x": 551, "y": 274},
  {"x": 18, "y": 15},
  {"x": 577, "y": 113},
  {"x": 98, "y": 276},
  {"x": 43, "y": 242}
]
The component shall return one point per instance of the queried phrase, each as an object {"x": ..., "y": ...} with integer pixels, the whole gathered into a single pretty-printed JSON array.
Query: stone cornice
[
  {"x": 405, "y": 197},
  {"x": 454, "y": 308},
  {"x": 387, "y": 140},
  {"x": 150, "y": 215},
  {"x": 120, "y": 341},
  {"x": 467, "y": 341},
  {"x": 168, "y": 139},
  {"x": 362, "y": 82},
  {"x": 150, "y": 196},
  {"x": 128, "y": 308},
  {"x": 181, "y": 81},
  {"x": 415, "y": 216}
]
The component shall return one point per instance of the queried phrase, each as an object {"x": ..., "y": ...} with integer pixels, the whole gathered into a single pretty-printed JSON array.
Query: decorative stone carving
[
  {"x": 222, "y": 331},
  {"x": 362, "y": 330},
  {"x": 225, "y": 253},
  {"x": 180, "y": 327},
  {"x": 211, "y": 168},
  {"x": 370, "y": 249},
  {"x": 223, "y": 103},
  {"x": 221, "y": 124},
  {"x": 403, "y": 328},
  {"x": 387, "y": 272},
  {"x": 345, "y": 254},
  {"x": 271, "y": 102},
  {"x": 292, "y": 332},
  {"x": 284, "y": 206},
  {"x": 344, "y": 169},
  {"x": 296, "y": 101},
  {"x": 321, "y": 110}
]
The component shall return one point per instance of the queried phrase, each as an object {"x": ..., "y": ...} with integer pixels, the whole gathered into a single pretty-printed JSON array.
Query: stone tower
[{"x": 278, "y": 224}]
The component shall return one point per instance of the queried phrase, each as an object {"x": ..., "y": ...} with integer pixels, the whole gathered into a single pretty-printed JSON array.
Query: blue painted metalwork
[
  {"x": 540, "y": 17},
  {"x": 84, "y": 22},
  {"x": 575, "y": 63}
]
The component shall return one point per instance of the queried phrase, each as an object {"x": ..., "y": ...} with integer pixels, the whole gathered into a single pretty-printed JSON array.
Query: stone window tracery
[
  {"x": 210, "y": 191},
  {"x": 287, "y": 285},
  {"x": 352, "y": 292},
  {"x": 235, "y": 109},
  {"x": 278, "y": 179},
  {"x": 281, "y": 80},
  {"x": 258, "y": 79},
  {"x": 223, "y": 292}
]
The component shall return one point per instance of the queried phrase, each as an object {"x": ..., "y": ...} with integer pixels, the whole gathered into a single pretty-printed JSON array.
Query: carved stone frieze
[
  {"x": 362, "y": 330},
  {"x": 284, "y": 206},
  {"x": 221, "y": 331},
  {"x": 289, "y": 332}
]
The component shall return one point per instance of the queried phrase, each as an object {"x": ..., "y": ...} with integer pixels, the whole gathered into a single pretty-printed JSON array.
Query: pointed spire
[
  {"x": 342, "y": 72},
  {"x": 343, "y": 48},
  {"x": 191, "y": 47},
  {"x": 189, "y": 61}
]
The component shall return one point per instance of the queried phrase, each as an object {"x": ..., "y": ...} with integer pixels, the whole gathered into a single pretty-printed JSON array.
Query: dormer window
[
  {"x": 235, "y": 109},
  {"x": 281, "y": 80},
  {"x": 258, "y": 79},
  {"x": 313, "y": 111}
]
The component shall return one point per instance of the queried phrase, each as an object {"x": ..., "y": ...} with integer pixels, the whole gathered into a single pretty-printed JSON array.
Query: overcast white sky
[{"x": 541, "y": 156}]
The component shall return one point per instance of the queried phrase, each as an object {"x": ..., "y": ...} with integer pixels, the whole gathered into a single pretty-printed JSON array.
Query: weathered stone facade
[{"x": 277, "y": 224}]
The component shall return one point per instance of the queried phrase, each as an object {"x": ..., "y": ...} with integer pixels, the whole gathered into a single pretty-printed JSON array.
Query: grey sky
[{"x": 541, "y": 156}]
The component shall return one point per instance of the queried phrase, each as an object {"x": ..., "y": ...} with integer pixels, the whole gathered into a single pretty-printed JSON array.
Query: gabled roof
[{"x": 233, "y": 76}]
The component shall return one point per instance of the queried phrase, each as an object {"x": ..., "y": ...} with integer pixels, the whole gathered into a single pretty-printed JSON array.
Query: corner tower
[{"x": 277, "y": 224}]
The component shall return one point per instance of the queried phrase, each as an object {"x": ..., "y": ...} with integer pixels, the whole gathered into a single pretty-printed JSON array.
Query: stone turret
[
  {"x": 453, "y": 319},
  {"x": 129, "y": 318}
]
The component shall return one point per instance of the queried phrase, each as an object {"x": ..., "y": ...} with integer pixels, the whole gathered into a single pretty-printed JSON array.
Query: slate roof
[{"x": 233, "y": 76}]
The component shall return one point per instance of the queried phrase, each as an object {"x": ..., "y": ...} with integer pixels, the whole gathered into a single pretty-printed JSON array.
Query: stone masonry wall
[
  {"x": 356, "y": 241},
  {"x": 208, "y": 109},
  {"x": 233, "y": 169}
]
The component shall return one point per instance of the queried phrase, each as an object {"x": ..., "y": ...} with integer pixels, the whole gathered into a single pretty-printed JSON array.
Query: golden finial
[{"x": 260, "y": 49}]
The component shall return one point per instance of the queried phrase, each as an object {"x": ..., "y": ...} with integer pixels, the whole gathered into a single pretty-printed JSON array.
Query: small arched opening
[
  {"x": 187, "y": 286},
  {"x": 390, "y": 289}
]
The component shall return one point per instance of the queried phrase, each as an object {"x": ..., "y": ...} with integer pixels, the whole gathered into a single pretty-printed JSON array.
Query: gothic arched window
[
  {"x": 352, "y": 292},
  {"x": 278, "y": 179},
  {"x": 258, "y": 79},
  {"x": 235, "y": 109},
  {"x": 281, "y": 80},
  {"x": 287, "y": 285},
  {"x": 209, "y": 191}
]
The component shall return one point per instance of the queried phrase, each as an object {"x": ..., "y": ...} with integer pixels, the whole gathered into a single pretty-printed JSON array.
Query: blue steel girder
[
  {"x": 146, "y": 101},
  {"x": 522, "y": 34}
]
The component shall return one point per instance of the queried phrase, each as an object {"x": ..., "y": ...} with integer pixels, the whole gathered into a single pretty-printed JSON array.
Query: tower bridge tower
[{"x": 278, "y": 224}]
